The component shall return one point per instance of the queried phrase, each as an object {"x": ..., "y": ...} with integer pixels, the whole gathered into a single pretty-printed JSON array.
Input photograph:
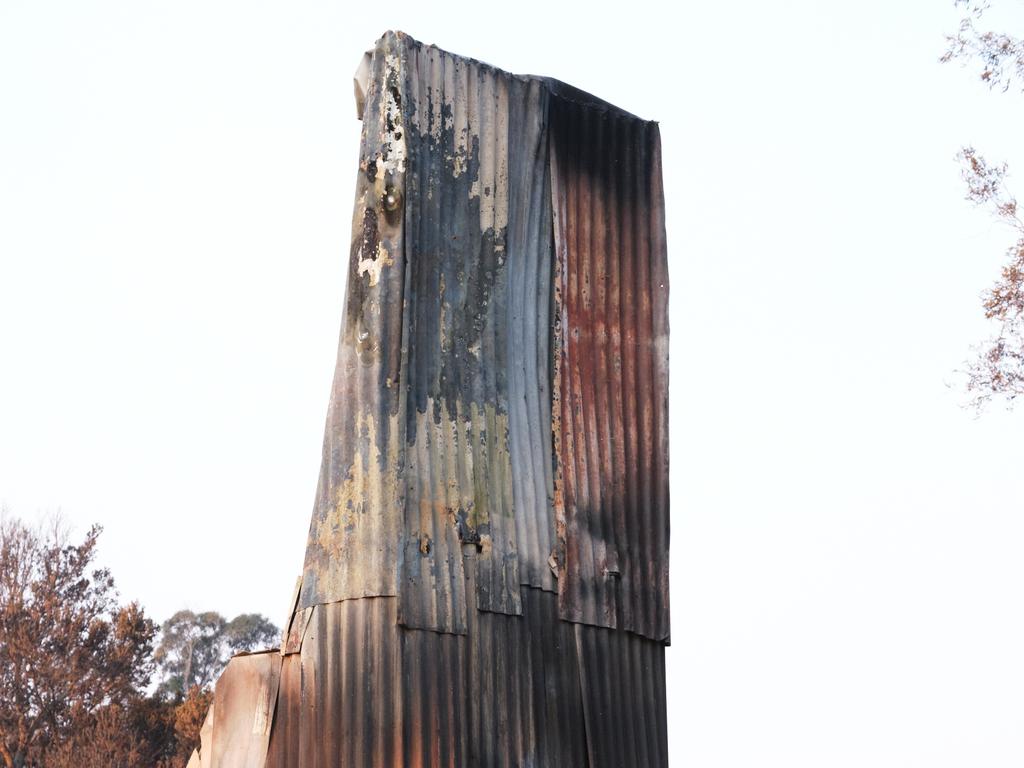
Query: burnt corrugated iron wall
[
  {"x": 611, "y": 369},
  {"x": 355, "y": 533},
  {"x": 486, "y": 578}
]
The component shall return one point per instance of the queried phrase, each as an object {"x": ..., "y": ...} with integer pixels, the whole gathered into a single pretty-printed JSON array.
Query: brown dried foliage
[
  {"x": 188, "y": 720},
  {"x": 998, "y": 368},
  {"x": 999, "y": 56},
  {"x": 74, "y": 664},
  {"x": 69, "y": 650}
]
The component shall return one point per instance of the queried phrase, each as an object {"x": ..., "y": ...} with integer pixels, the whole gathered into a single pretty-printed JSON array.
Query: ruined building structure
[{"x": 486, "y": 578}]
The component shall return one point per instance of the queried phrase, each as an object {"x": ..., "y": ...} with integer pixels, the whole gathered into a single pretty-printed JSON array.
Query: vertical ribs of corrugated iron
[
  {"x": 283, "y": 751},
  {"x": 627, "y": 248},
  {"x": 562, "y": 468},
  {"x": 584, "y": 535},
  {"x": 554, "y": 683},
  {"x": 650, "y": 593},
  {"x": 529, "y": 274},
  {"x": 432, "y": 595},
  {"x": 595, "y": 400},
  {"x": 615, "y": 460},
  {"x": 375, "y": 694},
  {"x": 498, "y": 576},
  {"x": 524, "y": 700},
  {"x": 659, "y": 574},
  {"x": 350, "y": 687},
  {"x": 433, "y": 706},
  {"x": 418, "y": 593},
  {"x": 447, "y": 549},
  {"x": 611, "y": 437},
  {"x": 367, "y": 693},
  {"x": 351, "y": 550},
  {"x": 460, "y": 451},
  {"x": 623, "y": 684},
  {"x": 541, "y": 412}
]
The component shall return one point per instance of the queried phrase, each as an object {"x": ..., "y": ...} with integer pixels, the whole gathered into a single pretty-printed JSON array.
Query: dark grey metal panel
[
  {"x": 462, "y": 277},
  {"x": 525, "y": 706},
  {"x": 611, "y": 390},
  {"x": 530, "y": 265},
  {"x": 350, "y": 709},
  {"x": 623, "y": 685},
  {"x": 435, "y": 709},
  {"x": 367, "y": 692}
]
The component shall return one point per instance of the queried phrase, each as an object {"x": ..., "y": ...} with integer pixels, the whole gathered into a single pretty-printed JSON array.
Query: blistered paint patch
[
  {"x": 392, "y": 160},
  {"x": 373, "y": 266}
]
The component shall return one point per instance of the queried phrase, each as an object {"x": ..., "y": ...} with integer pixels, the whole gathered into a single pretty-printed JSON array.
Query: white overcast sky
[{"x": 176, "y": 186}]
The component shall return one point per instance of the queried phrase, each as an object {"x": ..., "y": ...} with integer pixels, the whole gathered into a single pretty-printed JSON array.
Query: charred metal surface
[
  {"x": 355, "y": 530},
  {"x": 349, "y": 684},
  {"x": 525, "y": 705},
  {"x": 479, "y": 262},
  {"x": 611, "y": 390},
  {"x": 623, "y": 682},
  {"x": 283, "y": 748},
  {"x": 486, "y": 576}
]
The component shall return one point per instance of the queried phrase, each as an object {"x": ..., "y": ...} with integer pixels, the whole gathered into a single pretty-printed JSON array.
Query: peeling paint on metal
[{"x": 354, "y": 541}]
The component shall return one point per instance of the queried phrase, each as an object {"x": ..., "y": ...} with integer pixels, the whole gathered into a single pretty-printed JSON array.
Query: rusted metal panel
[
  {"x": 244, "y": 701},
  {"x": 611, "y": 387}
]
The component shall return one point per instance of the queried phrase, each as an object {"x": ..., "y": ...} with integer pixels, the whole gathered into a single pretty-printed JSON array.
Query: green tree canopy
[{"x": 195, "y": 647}]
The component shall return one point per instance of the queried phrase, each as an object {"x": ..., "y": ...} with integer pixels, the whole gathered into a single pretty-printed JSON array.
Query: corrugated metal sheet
[
  {"x": 525, "y": 705},
  {"x": 486, "y": 576},
  {"x": 612, "y": 368},
  {"x": 529, "y": 350},
  {"x": 623, "y": 681},
  {"x": 295, "y": 626},
  {"x": 478, "y": 245},
  {"x": 353, "y": 544},
  {"x": 350, "y": 708},
  {"x": 366, "y": 691},
  {"x": 283, "y": 748}
]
